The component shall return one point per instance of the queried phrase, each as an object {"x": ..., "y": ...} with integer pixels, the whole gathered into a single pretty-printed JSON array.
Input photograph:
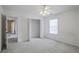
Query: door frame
[
  {"x": 30, "y": 28},
  {"x": 3, "y": 32}
]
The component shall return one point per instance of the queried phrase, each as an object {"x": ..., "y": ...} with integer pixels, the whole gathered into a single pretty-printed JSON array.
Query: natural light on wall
[{"x": 53, "y": 26}]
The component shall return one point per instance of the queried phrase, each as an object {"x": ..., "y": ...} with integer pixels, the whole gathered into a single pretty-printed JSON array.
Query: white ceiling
[{"x": 35, "y": 9}]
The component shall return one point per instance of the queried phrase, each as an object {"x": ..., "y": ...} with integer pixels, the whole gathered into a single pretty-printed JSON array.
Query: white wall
[
  {"x": 67, "y": 24},
  {"x": 23, "y": 29}
]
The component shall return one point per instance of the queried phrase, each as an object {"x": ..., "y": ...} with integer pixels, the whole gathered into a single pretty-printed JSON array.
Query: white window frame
[{"x": 55, "y": 31}]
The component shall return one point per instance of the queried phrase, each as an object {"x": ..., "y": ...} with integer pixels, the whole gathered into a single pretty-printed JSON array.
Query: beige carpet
[{"x": 40, "y": 46}]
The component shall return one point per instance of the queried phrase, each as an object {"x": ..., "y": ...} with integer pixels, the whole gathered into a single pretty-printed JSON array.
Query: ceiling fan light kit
[{"x": 44, "y": 11}]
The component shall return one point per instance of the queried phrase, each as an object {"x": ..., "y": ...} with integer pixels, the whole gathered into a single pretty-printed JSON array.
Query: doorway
[
  {"x": 3, "y": 34},
  {"x": 34, "y": 28},
  {"x": 11, "y": 29}
]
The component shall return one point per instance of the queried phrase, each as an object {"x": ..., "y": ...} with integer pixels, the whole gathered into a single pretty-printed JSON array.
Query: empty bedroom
[{"x": 39, "y": 28}]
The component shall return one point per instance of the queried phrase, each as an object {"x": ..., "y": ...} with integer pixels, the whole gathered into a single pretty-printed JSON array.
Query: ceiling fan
[{"x": 45, "y": 10}]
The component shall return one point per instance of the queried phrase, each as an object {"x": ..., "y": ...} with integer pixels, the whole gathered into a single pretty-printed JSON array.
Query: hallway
[{"x": 41, "y": 46}]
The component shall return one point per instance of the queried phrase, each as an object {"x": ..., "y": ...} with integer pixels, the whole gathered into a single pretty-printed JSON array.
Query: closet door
[{"x": 3, "y": 40}]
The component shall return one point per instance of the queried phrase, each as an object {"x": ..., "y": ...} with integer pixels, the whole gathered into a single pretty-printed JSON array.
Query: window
[{"x": 53, "y": 26}]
